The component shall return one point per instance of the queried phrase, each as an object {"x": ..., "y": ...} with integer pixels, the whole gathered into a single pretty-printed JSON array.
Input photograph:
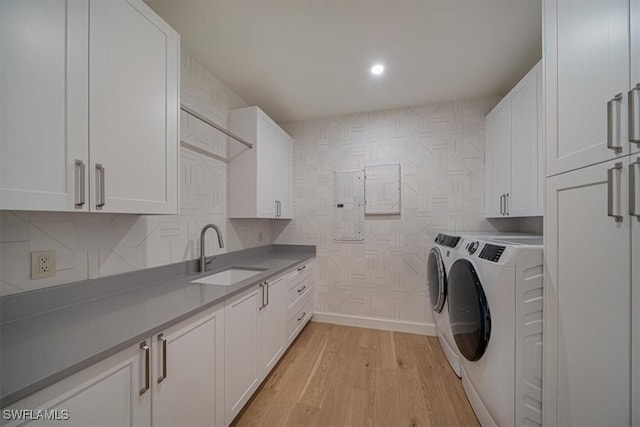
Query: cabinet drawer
[
  {"x": 301, "y": 271},
  {"x": 297, "y": 320},
  {"x": 297, "y": 290}
]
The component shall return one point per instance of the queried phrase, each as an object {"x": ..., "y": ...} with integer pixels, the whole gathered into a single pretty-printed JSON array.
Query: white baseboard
[{"x": 376, "y": 323}]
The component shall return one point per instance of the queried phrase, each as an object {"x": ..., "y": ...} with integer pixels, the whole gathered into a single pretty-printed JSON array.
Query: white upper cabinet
[
  {"x": 43, "y": 106},
  {"x": 133, "y": 133},
  {"x": 284, "y": 175},
  {"x": 634, "y": 95},
  {"x": 89, "y": 107},
  {"x": 586, "y": 51},
  {"x": 260, "y": 179},
  {"x": 514, "y": 148}
]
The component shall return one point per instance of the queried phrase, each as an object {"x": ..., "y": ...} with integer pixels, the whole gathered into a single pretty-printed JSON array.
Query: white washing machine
[
  {"x": 495, "y": 308},
  {"x": 439, "y": 261}
]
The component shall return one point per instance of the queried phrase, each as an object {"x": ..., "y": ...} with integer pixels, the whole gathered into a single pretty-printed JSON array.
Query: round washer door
[
  {"x": 437, "y": 280},
  {"x": 468, "y": 310}
]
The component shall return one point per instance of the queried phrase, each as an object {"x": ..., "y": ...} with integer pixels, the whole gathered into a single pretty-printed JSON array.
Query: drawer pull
[
  {"x": 302, "y": 317},
  {"x": 302, "y": 268},
  {"x": 302, "y": 288}
]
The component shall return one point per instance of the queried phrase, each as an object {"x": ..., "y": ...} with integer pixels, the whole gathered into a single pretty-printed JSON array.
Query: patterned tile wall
[
  {"x": 93, "y": 245},
  {"x": 441, "y": 152}
]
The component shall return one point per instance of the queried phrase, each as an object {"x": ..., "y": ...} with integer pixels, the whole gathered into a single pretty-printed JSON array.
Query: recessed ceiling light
[{"x": 377, "y": 69}]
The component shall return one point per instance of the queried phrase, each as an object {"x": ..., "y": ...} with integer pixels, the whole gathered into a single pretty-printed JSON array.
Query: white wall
[
  {"x": 441, "y": 152},
  {"x": 93, "y": 245}
]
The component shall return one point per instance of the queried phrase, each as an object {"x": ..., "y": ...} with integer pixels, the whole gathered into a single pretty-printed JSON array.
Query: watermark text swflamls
[{"x": 35, "y": 415}]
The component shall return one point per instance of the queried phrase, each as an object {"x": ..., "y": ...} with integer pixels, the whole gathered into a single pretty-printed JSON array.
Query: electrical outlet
[{"x": 43, "y": 264}]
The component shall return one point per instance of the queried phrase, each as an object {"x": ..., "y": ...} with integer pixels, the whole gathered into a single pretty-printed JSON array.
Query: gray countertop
[{"x": 50, "y": 334}]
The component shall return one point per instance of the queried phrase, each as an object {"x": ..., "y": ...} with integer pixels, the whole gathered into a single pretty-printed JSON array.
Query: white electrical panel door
[
  {"x": 382, "y": 190},
  {"x": 348, "y": 207}
]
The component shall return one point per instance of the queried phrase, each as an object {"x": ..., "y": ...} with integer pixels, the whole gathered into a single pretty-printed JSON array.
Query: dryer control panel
[
  {"x": 491, "y": 252},
  {"x": 446, "y": 240}
]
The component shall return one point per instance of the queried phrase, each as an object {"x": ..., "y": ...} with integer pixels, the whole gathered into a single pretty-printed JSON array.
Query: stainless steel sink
[{"x": 230, "y": 276}]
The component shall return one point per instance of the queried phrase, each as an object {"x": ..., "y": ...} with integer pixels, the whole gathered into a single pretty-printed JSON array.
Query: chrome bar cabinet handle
[
  {"x": 633, "y": 138},
  {"x": 100, "y": 198},
  {"x": 610, "y": 103},
  {"x": 632, "y": 188},
  {"x": 80, "y": 185},
  {"x": 506, "y": 204},
  {"x": 262, "y": 305},
  {"x": 163, "y": 340},
  {"x": 266, "y": 286},
  {"x": 501, "y": 205},
  {"x": 147, "y": 366},
  {"x": 618, "y": 166}
]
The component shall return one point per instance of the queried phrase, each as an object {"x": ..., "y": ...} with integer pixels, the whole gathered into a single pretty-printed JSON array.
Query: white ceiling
[{"x": 301, "y": 59}]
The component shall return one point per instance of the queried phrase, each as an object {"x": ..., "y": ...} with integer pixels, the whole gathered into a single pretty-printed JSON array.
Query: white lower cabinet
[
  {"x": 188, "y": 367},
  {"x": 106, "y": 394},
  {"x": 199, "y": 372},
  {"x": 272, "y": 344},
  {"x": 174, "y": 378},
  {"x": 242, "y": 373},
  {"x": 588, "y": 308},
  {"x": 254, "y": 340}
]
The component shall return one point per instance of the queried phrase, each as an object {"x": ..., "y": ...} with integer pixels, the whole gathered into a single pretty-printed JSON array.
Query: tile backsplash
[{"x": 91, "y": 245}]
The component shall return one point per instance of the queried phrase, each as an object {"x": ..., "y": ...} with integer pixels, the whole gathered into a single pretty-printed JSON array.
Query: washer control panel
[
  {"x": 491, "y": 252},
  {"x": 473, "y": 247}
]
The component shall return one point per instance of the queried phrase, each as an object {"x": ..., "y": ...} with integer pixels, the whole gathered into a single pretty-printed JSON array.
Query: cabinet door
[
  {"x": 501, "y": 155},
  {"x": 267, "y": 137},
  {"x": 188, "y": 380},
  {"x": 133, "y": 104},
  {"x": 105, "y": 394},
  {"x": 587, "y": 299},
  {"x": 525, "y": 194},
  {"x": 635, "y": 72},
  {"x": 491, "y": 206},
  {"x": 284, "y": 174},
  {"x": 635, "y": 288},
  {"x": 586, "y": 51},
  {"x": 241, "y": 348},
  {"x": 272, "y": 325},
  {"x": 43, "y": 107}
]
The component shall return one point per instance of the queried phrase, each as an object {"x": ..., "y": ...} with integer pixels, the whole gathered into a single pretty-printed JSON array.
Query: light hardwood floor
[{"x": 344, "y": 376}]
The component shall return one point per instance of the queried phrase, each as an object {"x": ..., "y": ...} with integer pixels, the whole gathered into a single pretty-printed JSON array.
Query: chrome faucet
[{"x": 203, "y": 259}]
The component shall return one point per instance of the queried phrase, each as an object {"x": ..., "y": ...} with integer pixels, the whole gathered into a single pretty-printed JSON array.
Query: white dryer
[
  {"x": 439, "y": 261},
  {"x": 495, "y": 308}
]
